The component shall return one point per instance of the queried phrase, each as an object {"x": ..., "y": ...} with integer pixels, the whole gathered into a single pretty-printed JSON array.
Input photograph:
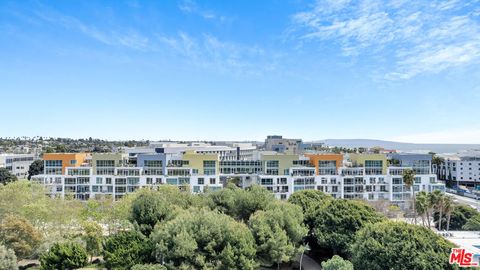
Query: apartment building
[
  {"x": 282, "y": 145},
  {"x": 357, "y": 176},
  {"x": 225, "y": 150},
  {"x": 462, "y": 169},
  {"x": 17, "y": 164}
]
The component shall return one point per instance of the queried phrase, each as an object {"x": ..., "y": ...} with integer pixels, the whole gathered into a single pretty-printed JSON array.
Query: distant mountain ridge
[{"x": 437, "y": 148}]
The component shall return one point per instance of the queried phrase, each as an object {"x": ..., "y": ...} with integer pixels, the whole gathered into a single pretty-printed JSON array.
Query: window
[
  {"x": 172, "y": 181},
  {"x": 201, "y": 181},
  {"x": 209, "y": 167},
  {"x": 108, "y": 181},
  {"x": 105, "y": 163},
  {"x": 99, "y": 180},
  {"x": 53, "y": 163},
  {"x": 266, "y": 181},
  {"x": 272, "y": 163},
  {"x": 152, "y": 163},
  {"x": 73, "y": 162},
  {"x": 212, "y": 181}
]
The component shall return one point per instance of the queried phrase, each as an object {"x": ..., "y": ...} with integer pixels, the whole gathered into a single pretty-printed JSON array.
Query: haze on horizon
[{"x": 201, "y": 70}]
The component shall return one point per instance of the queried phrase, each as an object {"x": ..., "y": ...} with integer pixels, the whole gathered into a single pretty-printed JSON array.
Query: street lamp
[{"x": 305, "y": 248}]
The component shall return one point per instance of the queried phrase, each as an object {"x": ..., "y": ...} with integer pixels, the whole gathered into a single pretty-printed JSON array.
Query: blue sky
[{"x": 240, "y": 70}]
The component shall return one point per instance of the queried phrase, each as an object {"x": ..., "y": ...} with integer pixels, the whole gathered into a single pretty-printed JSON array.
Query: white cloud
[
  {"x": 417, "y": 37},
  {"x": 210, "y": 52},
  {"x": 129, "y": 38},
  {"x": 461, "y": 135},
  {"x": 191, "y": 7}
]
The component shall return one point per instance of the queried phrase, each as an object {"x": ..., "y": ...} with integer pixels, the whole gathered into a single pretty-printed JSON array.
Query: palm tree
[
  {"x": 436, "y": 203},
  {"x": 421, "y": 206},
  {"x": 408, "y": 180},
  {"x": 448, "y": 206},
  {"x": 433, "y": 198}
]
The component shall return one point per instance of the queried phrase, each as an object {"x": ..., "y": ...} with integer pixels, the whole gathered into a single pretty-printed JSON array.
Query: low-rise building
[{"x": 17, "y": 164}]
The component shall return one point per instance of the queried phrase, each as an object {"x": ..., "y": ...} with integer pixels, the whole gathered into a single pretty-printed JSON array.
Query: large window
[
  {"x": 53, "y": 163},
  {"x": 209, "y": 167},
  {"x": 105, "y": 163},
  {"x": 152, "y": 163}
]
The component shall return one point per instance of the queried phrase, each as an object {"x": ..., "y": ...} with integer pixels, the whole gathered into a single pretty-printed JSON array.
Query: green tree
[
  {"x": 309, "y": 200},
  {"x": 93, "y": 234},
  {"x": 8, "y": 260},
  {"x": 278, "y": 232},
  {"x": 35, "y": 168},
  {"x": 6, "y": 176},
  {"x": 436, "y": 202},
  {"x": 473, "y": 224},
  {"x": 126, "y": 249},
  {"x": 448, "y": 207},
  {"x": 409, "y": 180},
  {"x": 18, "y": 234},
  {"x": 64, "y": 256},
  {"x": 241, "y": 203},
  {"x": 148, "y": 267},
  {"x": 397, "y": 245},
  {"x": 421, "y": 207},
  {"x": 460, "y": 215},
  {"x": 150, "y": 207},
  {"x": 338, "y": 220},
  {"x": 204, "y": 239},
  {"x": 337, "y": 263}
]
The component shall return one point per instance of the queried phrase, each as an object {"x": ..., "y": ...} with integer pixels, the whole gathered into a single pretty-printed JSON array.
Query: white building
[
  {"x": 17, "y": 164},
  {"x": 462, "y": 169}
]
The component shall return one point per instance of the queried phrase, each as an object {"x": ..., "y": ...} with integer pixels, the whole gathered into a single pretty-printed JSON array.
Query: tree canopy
[
  {"x": 6, "y": 176},
  {"x": 397, "y": 245},
  {"x": 337, "y": 263},
  {"x": 337, "y": 221},
  {"x": 204, "y": 239},
  {"x": 150, "y": 207},
  {"x": 309, "y": 200},
  {"x": 278, "y": 232},
  {"x": 18, "y": 234},
  {"x": 35, "y": 168},
  {"x": 126, "y": 249}
]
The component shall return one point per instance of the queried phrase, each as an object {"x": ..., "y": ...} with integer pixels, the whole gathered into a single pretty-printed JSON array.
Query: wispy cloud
[
  {"x": 204, "y": 50},
  {"x": 126, "y": 38},
  {"x": 210, "y": 52},
  {"x": 191, "y": 7},
  {"x": 418, "y": 38}
]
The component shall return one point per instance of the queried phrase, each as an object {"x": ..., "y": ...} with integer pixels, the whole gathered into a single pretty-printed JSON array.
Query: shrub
[
  {"x": 148, "y": 267},
  {"x": 64, "y": 256},
  {"x": 8, "y": 260},
  {"x": 337, "y": 263}
]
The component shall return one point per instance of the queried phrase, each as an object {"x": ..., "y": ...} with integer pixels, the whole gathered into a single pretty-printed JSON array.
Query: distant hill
[{"x": 437, "y": 148}]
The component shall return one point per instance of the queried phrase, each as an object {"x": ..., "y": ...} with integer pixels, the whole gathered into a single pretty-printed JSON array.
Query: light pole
[{"x": 305, "y": 248}]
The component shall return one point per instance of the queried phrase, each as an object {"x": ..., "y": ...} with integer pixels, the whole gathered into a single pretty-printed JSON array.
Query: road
[{"x": 466, "y": 201}]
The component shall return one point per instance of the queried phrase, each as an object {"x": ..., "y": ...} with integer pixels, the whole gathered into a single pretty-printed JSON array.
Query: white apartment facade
[{"x": 17, "y": 164}]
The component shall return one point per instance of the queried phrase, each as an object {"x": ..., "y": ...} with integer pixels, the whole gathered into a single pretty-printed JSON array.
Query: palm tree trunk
[
  {"x": 448, "y": 221},
  {"x": 414, "y": 207},
  {"x": 440, "y": 219},
  {"x": 428, "y": 218}
]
